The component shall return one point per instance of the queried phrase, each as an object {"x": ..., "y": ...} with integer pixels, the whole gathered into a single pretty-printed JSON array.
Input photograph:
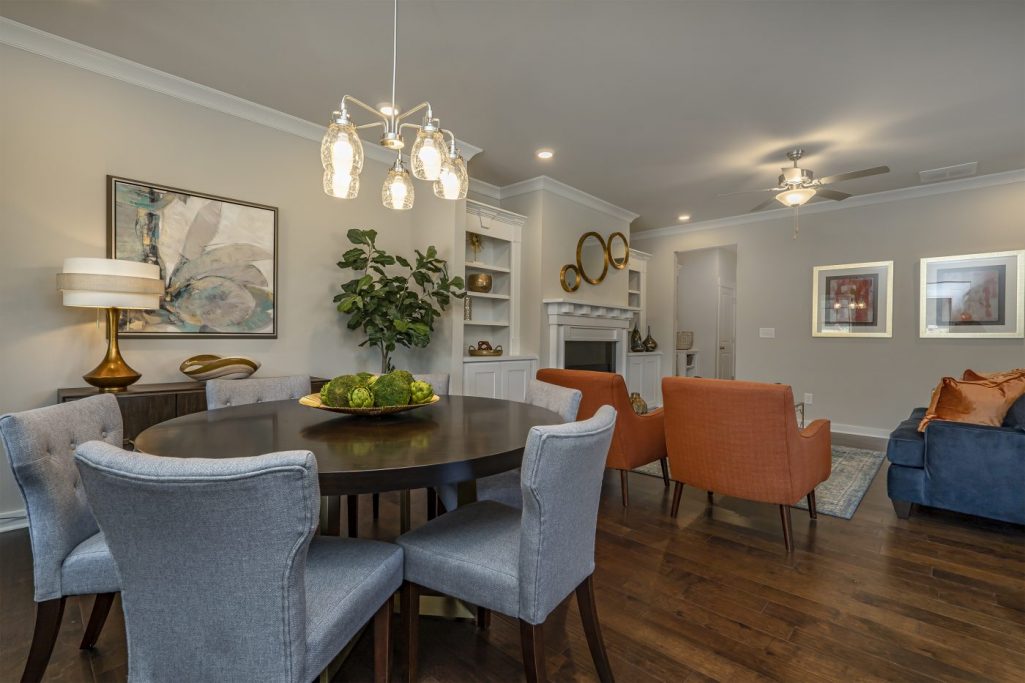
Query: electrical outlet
[
  {"x": 809, "y": 399},
  {"x": 767, "y": 332}
]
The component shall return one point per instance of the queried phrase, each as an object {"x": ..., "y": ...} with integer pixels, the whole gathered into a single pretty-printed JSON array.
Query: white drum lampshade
[{"x": 111, "y": 284}]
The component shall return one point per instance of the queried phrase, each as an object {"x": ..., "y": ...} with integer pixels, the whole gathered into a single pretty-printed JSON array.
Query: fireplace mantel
[{"x": 570, "y": 320}]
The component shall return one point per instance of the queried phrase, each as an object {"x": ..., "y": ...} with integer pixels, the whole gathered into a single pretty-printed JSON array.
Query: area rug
[{"x": 839, "y": 496}]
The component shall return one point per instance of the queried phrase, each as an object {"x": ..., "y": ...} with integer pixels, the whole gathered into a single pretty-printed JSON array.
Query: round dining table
[{"x": 456, "y": 440}]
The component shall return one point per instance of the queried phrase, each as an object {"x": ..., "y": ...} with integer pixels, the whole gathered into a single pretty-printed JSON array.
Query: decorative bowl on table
[{"x": 313, "y": 401}]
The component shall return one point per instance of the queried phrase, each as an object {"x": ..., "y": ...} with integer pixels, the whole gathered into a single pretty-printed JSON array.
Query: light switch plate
[
  {"x": 767, "y": 332},
  {"x": 809, "y": 399}
]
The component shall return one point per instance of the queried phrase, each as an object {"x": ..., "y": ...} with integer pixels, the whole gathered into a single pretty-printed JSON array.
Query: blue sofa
[{"x": 967, "y": 468}]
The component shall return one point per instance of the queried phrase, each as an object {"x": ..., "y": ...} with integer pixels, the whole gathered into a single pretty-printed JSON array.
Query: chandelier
[{"x": 431, "y": 158}]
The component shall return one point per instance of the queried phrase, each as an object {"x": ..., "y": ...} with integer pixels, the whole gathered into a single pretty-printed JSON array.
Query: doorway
[{"x": 705, "y": 312}]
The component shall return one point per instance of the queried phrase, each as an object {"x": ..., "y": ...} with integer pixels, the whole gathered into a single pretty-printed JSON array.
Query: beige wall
[
  {"x": 62, "y": 130},
  {"x": 870, "y": 383}
]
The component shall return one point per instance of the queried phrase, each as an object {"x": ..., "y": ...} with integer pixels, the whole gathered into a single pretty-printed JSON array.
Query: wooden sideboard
[{"x": 144, "y": 405}]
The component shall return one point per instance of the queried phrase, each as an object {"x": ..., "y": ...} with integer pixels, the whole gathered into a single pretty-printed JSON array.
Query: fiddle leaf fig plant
[{"x": 394, "y": 308}]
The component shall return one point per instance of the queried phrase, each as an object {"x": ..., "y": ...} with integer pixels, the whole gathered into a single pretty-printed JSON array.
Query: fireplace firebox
[{"x": 599, "y": 356}]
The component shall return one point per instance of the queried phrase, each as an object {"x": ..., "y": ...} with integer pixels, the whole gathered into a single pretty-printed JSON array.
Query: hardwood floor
[{"x": 708, "y": 596}]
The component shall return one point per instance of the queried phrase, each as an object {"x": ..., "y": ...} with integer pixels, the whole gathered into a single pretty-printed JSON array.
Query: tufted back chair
[
  {"x": 221, "y": 393},
  {"x": 41, "y": 446}
]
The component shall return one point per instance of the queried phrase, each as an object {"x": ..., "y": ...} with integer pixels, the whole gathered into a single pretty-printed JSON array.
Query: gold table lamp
[{"x": 114, "y": 285}]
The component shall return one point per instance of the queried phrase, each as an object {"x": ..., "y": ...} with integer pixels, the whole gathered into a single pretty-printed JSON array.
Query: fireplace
[{"x": 599, "y": 356}]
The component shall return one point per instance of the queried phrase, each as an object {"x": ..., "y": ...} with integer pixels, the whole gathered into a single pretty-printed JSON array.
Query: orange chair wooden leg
[
  {"x": 665, "y": 471},
  {"x": 788, "y": 532},
  {"x": 812, "y": 512},
  {"x": 677, "y": 494},
  {"x": 625, "y": 487}
]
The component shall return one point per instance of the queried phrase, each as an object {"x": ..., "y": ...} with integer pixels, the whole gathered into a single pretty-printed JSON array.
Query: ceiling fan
[{"x": 796, "y": 186}]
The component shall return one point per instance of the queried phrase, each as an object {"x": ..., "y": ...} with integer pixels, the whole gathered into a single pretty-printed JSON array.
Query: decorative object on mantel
[
  {"x": 478, "y": 282},
  {"x": 853, "y": 300},
  {"x": 390, "y": 311},
  {"x": 564, "y": 278},
  {"x": 638, "y": 403},
  {"x": 113, "y": 285},
  {"x": 467, "y": 308},
  {"x": 210, "y": 366},
  {"x": 483, "y": 348},
  {"x": 618, "y": 262},
  {"x": 217, "y": 258},
  {"x": 649, "y": 342},
  {"x": 341, "y": 151},
  {"x": 973, "y": 296},
  {"x": 636, "y": 342},
  {"x": 684, "y": 340}
]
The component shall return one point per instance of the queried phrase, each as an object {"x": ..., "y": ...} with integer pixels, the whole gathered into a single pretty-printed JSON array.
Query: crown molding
[
  {"x": 43, "y": 44},
  {"x": 989, "y": 180},
  {"x": 485, "y": 189},
  {"x": 548, "y": 184}
]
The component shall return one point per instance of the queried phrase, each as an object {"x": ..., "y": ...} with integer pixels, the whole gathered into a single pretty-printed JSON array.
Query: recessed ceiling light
[
  {"x": 683, "y": 217},
  {"x": 545, "y": 153},
  {"x": 387, "y": 110}
]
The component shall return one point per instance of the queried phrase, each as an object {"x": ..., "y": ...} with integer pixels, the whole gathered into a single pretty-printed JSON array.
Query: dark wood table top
[{"x": 460, "y": 438}]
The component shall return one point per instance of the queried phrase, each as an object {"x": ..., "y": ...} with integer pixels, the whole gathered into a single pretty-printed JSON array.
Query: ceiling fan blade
[
  {"x": 764, "y": 205},
  {"x": 832, "y": 194},
  {"x": 764, "y": 189},
  {"x": 854, "y": 174}
]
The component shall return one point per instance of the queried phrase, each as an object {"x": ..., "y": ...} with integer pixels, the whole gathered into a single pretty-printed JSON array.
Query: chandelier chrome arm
[{"x": 364, "y": 105}]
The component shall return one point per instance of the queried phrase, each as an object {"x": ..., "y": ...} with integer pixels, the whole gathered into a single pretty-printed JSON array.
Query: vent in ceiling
[{"x": 935, "y": 175}]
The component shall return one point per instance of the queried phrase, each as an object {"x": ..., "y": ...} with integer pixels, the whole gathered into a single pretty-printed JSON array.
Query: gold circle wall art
[
  {"x": 618, "y": 262},
  {"x": 564, "y": 275},
  {"x": 596, "y": 256}
]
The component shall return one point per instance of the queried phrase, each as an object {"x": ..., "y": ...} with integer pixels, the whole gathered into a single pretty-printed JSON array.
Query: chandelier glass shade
[{"x": 431, "y": 159}]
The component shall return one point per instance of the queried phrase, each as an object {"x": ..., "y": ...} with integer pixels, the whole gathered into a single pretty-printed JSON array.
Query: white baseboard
[
  {"x": 857, "y": 430},
  {"x": 14, "y": 519}
]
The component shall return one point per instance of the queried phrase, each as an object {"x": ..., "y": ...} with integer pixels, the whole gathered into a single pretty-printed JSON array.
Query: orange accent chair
[
  {"x": 637, "y": 439},
  {"x": 741, "y": 439}
]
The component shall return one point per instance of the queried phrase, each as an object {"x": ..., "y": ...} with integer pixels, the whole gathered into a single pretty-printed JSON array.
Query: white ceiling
[{"x": 654, "y": 106}]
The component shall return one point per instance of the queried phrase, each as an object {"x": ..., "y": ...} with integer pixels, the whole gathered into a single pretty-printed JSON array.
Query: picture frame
[
  {"x": 217, "y": 258},
  {"x": 972, "y": 296},
  {"x": 852, "y": 300}
]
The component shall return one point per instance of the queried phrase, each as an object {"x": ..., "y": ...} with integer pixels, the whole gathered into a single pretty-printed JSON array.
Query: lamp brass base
[{"x": 113, "y": 374}]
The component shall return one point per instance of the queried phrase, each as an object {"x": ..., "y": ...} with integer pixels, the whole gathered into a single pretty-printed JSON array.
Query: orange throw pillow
[
  {"x": 973, "y": 376},
  {"x": 983, "y": 402}
]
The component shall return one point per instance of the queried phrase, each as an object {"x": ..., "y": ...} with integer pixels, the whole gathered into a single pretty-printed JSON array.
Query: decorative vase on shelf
[
  {"x": 649, "y": 343},
  {"x": 636, "y": 343},
  {"x": 638, "y": 403}
]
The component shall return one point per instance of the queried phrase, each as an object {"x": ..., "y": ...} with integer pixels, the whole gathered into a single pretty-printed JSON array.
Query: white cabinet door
[
  {"x": 482, "y": 379},
  {"x": 651, "y": 380},
  {"x": 635, "y": 374},
  {"x": 516, "y": 376}
]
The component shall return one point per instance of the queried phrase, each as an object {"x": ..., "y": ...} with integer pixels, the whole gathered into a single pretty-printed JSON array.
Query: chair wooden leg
[
  {"x": 48, "y": 623},
  {"x": 902, "y": 508},
  {"x": 711, "y": 498},
  {"x": 483, "y": 618},
  {"x": 665, "y": 471},
  {"x": 533, "y": 645},
  {"x": 98, "y": 617},
  {"x": 410, "y": 605},
  {"x": 432, "y": 503},
  {"x": 376, "y": 503},
  {"x": 382, "y": 643},
  {"x": 624, "y": 486},
  {"x": 592, "y": 629},
  {"x": 788, "y": 532},
  {"x": 812, "y": 512},
  {"x": 353, "y": 504},
  {"x": 677, "y": 494}
]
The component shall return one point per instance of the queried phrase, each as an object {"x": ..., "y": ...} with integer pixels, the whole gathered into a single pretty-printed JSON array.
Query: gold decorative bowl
[
  {"x": 209, "y": 366},
  {"x": 313, "y": 401},
  {"x": 478, "y": 282},
  {"x": 474, "y": 351}
]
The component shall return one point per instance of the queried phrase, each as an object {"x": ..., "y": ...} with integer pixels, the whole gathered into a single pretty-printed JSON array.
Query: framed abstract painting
[
  {"x": 852, "y": 300},
  {"x": 973, "y": 296},
  {"x": 217, "y": 258}
]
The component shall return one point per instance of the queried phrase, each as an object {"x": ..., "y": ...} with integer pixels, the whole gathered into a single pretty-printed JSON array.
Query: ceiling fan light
[
  {"x": 340, "y": 185},
  {"x": 427, "y": 154},
  {"x": 341, "y": 147},
  {"x": 795, "y": 197},
  {"x": 397, "y": 192}
]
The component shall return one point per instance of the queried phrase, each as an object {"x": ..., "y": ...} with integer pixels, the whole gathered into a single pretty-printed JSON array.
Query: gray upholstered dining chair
[
  {"x": 522, "y": 563},
  {"x": 221, "y": 393},
  {"x": 505, "y": 486},
  {"x": 69, "y": 554},
  {"x": 222, "y": 578}
]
